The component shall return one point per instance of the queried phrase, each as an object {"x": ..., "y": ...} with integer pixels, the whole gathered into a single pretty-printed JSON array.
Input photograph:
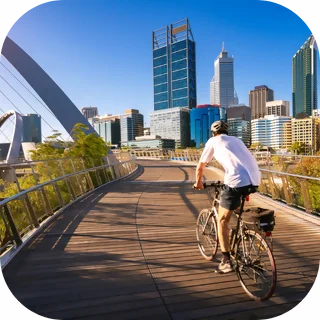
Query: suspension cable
[
  {"x": 17, "y": 109},
  {"x": 24, "y": 101},
  {"x": 28, "y": 90}
]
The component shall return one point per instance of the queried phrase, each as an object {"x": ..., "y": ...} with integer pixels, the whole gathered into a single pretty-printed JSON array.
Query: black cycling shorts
[{"x": 231, "y": 197}]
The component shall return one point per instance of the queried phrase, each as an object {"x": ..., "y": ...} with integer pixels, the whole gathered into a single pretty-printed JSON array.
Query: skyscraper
[
  {"x": 131, "y": 125},
  {"x": 173, "y": 123},
  {"x": 31, "y": 128},
  {"x": 201, "y": 119},
  {"x": 108, "y": 129},
  {"x": 174, "y": 67},
  {"x": 89, "y": 112},
  {"x": 222, "y": 90},
  {"x": 258, "y": 99},
  {"x": 304, "y": 78}
]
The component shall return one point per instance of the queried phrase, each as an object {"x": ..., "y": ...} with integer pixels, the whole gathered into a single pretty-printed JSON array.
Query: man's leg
[{"x": 224, "y": 216}]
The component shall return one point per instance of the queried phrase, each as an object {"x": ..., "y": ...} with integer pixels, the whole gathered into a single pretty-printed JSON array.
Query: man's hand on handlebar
[{"x": 198, "y": 186}]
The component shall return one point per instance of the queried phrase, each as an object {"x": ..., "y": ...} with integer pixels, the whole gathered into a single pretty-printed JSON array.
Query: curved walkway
[{"x": 128, "y": 251}]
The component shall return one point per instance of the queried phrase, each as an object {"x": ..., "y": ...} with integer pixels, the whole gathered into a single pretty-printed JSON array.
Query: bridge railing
[
  {"x": 300, "y": 191},
  {"x": 180, "y": 155},
  {"x": 295, "y": 190},
  {"x": 53, "y": 185}
]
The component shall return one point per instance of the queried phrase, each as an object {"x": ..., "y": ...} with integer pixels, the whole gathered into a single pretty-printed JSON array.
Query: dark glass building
[
  {"x": 304, "y": 78},
  {"x": 31, "y": 128},
  {"x": 131, "y": 125},
  {"x": 109, "y": 130},
  {"x": 201, "y": 119},
  {"x": 174, "y": 67}
]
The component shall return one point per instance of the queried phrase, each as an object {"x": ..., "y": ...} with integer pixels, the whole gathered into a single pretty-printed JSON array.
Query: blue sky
[{"x": 100, "y": 52}]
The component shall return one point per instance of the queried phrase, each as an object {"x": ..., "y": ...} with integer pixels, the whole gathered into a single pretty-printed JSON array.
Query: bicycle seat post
[{"x": 243, "y": 199}]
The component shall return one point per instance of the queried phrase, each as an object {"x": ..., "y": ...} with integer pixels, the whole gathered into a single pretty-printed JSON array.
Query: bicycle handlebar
[{"x": 216, "y": 184}]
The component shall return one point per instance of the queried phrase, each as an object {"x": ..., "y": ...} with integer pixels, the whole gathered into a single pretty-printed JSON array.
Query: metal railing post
[
  {"x": 87, "y": 175},
  {"x": 287, "y": 193},
  {"x": 306, "y": 195},
  {"x": 26, "y": 203},
  {"x": 111, "y": 169},
  {"x": 77, "y": 177},
  {"x": 14, "y": 231},
  {"x": 103, "y": 169},
  {"x": 96, "y": 173},
  {"x": 61, "y": 201},
  {"x": 69, "y": 186},
  {"x": 43, "y": 196}
]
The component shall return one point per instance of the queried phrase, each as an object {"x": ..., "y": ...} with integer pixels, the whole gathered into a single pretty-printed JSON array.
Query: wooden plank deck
[{"x": 128, "y": 251}]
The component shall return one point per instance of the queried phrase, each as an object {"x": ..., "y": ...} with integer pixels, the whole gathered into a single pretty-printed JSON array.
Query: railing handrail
[
  {"x": 26, "y": 162},
  {"x": 290, "y": 174},
  {"x": 38, "y": 186},
  {"x": 198, "y": 152},
  {"x": 289, "y": 155}
]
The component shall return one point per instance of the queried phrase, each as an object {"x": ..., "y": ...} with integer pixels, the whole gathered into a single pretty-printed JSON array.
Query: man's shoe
[{"x": 224, "y": 267}]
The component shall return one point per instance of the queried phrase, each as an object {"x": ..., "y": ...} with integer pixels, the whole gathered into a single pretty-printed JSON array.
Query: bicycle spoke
[
  {"x": 255, "y": 266},
  {"x": 207, "y": 234}
]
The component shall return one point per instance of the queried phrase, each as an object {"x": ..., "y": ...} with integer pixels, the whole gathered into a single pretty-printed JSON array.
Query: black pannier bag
[{"x": 264, "y": 219}]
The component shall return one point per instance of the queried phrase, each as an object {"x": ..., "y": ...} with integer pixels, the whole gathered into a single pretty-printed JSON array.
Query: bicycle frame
[
  {"x": 240, "y": 223},
  {"x": 249, "y": 249},
  {"x": 239, "y": 219}
]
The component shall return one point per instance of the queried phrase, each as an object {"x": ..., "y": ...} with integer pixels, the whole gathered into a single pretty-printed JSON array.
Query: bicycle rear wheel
[
  {"x": 256, "y": 268},
  {"x": 207, "y": 234}
]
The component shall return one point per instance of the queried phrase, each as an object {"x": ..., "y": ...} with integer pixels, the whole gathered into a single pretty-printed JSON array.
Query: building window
[
  {"x": 160, "y": 61},
  {"x": 179, "y": 74},
  {"x": 179, "y": 46}
]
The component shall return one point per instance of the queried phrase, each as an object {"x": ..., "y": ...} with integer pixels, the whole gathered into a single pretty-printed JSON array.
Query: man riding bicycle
[{"x": 241, "y": 173}]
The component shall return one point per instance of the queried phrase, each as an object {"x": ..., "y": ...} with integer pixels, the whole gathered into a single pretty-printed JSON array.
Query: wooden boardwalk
[{"x": 128, "y": 251}]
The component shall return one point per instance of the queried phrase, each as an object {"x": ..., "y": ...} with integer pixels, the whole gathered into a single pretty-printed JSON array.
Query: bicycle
[{"x": 250, "y": 253}]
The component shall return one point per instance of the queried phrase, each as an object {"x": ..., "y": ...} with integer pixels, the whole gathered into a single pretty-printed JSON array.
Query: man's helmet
[{"x": 219, "y": 126}]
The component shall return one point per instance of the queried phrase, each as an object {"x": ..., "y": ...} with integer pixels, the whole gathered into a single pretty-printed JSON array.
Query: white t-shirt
[{"x": 241, "y": 168}]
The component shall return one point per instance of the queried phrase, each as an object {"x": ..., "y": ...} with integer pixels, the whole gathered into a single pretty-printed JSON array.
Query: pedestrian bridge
[{"x": 124, "y": 246}]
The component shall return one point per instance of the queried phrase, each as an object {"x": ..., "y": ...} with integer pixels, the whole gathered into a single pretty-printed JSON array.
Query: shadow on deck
[{"x": 128, "y": 251}]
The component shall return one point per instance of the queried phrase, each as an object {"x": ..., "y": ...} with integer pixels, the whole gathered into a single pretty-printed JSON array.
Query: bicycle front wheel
[
  {"x": 256, "y": 268},
  {"x": 207, "y": 234}
]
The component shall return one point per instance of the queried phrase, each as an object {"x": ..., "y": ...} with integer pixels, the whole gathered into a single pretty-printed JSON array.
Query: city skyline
[{"x": 137, "y": 91}]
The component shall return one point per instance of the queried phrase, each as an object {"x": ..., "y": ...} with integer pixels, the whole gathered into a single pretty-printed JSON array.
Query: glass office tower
[
  {"x": 131, "y": 125},
  {"x": 172, "y": 123},
  {"x": 201, "y": 119},
  {"x": 174, "y": 67},
  {"x": 31, "y": 128},
  {"x": 304, "y": 78},
  {"x": 108, "y": 130},
  {"x": 222, "y": 89}
]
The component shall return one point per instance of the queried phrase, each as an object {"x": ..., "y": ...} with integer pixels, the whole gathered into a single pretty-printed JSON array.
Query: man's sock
[{"x": 225, "y": 256}]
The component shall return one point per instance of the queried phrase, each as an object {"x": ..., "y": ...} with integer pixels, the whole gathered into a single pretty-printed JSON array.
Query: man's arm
[
  {"x": 206, "y": 157},
  {"x": 199, "y": 174}
]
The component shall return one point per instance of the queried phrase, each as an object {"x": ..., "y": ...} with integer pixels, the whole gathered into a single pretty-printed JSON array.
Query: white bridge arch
[{"x": 15, "y": 144}]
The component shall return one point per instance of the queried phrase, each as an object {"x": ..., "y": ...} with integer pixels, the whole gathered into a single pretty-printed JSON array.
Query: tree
[
  {"x": 256, "y": 145},
  {"x": 86, "y": 145},
  {"x": 52, "y": 148},
  {"x": 90, "y": 147},
  {"x": 298, "y": 147}
]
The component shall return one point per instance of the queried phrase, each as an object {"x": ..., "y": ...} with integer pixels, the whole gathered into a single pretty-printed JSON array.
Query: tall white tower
[{"x": 222, "y": 90}]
